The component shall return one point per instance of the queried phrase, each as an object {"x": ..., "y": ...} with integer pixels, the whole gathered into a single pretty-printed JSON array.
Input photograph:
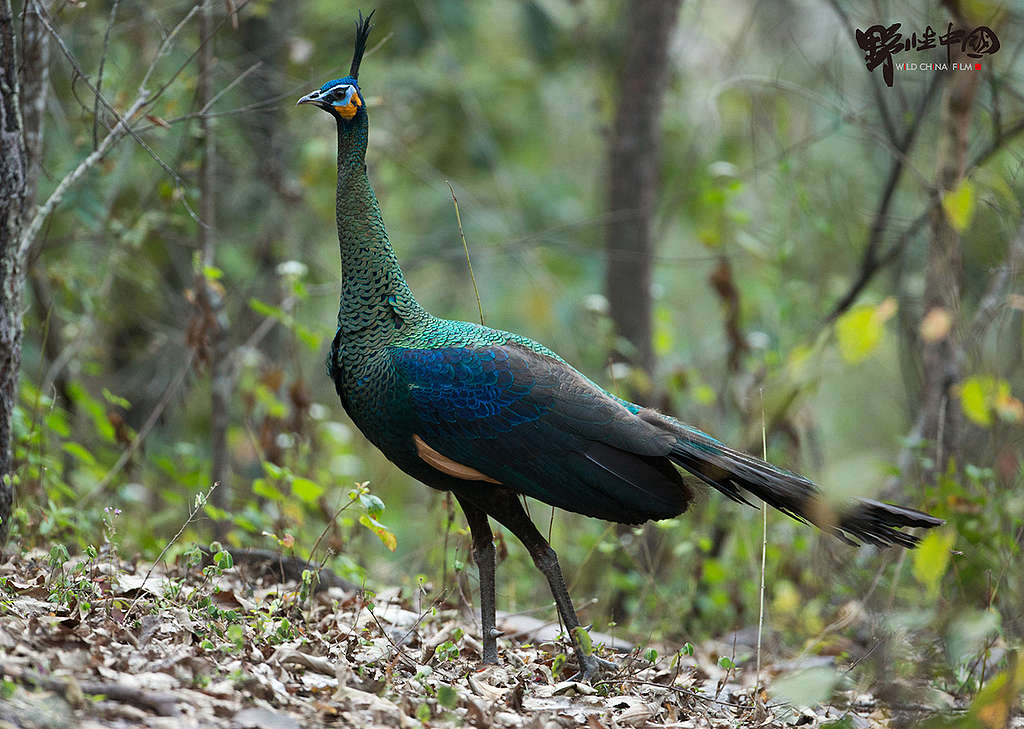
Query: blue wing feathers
[{"x": 538, "y": 426}]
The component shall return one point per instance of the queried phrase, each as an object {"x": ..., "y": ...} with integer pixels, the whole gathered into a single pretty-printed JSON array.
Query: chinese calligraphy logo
[{"x": 880, "y": 43}]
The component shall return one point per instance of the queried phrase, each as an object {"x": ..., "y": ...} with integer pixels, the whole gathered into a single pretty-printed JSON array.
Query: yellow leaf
[
  {"x": 857, "y": 333},
  {"x": 973, "y": 402},
  {"x": 383, "y": 533},
  {"x": 931, "y": 559},
  {"x": 1008, "y": 408},
  {"x": 859, "y": 330},
  {"x": 980, "y": 395},
  {"x": 959, "y": 205},
  {"x": 997, "y": 699}
]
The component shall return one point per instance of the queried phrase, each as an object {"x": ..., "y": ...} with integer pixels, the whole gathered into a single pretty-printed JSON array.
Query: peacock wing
[{"x": 507, "y": 414}]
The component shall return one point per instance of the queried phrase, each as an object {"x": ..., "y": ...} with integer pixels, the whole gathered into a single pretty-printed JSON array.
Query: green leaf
[
  {"x": 373, "y": 505},
  {"x": 557, "y": 664},
  {"x": 216, "y": 513},
  {"x": 57, "y": 421},
  {"x": 224, "y": 560},
  {"x": 80, "y": 396},
  {"x": 273, "y": 470},
  {"x": 931, "y": 559},
  {"x": 584, "y": 639},
  {"x": 423, "y": 712},
  {"x": 958, "y": 205},
  {"x": 383, "y": 533},
  {"x": 116, "y": 399},
  {"x": 447, "y": 696},
  {"x": 212, "y": 272},
  {"x": 263, "y": 487},
  {"x": 307, "y": 490},
  {"x": 80, "y": 453},
  {"x": 268, "y": 310}
]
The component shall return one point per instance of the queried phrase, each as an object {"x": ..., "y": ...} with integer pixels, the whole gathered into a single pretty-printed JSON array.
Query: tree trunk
[
  {"x": 632, "y": 175},
  {"x": 13, "y": 166},
  {"x": 632, "y": 188},
  {"x": 940, "y": 420},
  {"x": 210, "y": 297}
]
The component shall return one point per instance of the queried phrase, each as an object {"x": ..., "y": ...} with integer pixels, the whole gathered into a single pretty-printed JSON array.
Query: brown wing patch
[{"x": 444, "y": 464}]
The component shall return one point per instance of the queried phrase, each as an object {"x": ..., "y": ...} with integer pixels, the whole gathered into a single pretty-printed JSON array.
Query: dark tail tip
[
  {"x": 879, "y": 524},
  {"x": 363, "y": 29}
]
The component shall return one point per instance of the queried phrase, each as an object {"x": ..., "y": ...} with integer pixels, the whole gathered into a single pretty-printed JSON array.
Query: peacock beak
[{"x": 313, "y": 97}]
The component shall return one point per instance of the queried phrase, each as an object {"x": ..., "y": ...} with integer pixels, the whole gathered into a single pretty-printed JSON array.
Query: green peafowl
[{"x": 491, "y": 416}]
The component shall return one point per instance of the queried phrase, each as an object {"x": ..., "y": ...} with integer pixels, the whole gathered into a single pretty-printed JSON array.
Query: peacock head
[{"x": 341, "y": 97}]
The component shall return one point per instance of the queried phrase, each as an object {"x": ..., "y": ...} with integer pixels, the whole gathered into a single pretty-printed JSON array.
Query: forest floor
[{"x": 94, "y": 641}]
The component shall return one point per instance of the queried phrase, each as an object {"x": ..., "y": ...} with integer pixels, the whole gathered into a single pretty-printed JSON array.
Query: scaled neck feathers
[{"x": 374, "y": 294}]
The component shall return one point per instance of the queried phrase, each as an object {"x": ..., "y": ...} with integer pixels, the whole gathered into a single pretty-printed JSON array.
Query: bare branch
[
  {"x": 99, "y": 74},
  {"x": 115, "y": 134},
  {"x": 881, "y": 261},
  {"x": 143, "y": 95},
  {"x": 870, "y": 261},
  {"x": 995, "y": 294},
  {"x": 876, "y": 84},
  {"x": 233, "y": 83}
]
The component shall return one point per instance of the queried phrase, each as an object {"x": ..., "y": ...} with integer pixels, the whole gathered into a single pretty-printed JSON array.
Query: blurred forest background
[{"x": 711, "y": 206}]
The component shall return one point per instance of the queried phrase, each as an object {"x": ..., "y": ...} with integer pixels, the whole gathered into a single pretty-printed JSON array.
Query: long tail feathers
[{"x": 737, "y": 474}]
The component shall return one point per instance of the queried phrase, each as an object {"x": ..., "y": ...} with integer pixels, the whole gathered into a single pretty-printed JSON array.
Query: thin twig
[
  {"x": 158, "y": 410},
  {"x": 115, "y": 134},
  {"x": 894, "y": 251},
  {"x": 197, "y": 506},
  {"x": 994, "y": 295},
  {"x": 142, "y": 93},
  {"x": 870, "y": 261},
  {"x": 764, "y": 552},
  {"x": 99, "y": 74},
  {"x": 465, "y": 246},
  {"x": 234, "y": 82}
]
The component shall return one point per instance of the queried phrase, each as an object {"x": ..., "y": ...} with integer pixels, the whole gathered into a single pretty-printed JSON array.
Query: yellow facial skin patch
[{"x": 349, "y": 110}]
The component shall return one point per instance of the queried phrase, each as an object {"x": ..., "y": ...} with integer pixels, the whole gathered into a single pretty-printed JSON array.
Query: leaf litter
[{"x": 96, "y": 645}]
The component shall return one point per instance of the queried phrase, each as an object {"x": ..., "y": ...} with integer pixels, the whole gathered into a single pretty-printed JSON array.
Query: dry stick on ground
[{"x": 159, "y": 702}]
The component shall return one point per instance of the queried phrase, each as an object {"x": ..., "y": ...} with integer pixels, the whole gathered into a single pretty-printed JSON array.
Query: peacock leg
[
  {"x": 505, "y": 507},
  {"x": 483, "y": 555}
]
